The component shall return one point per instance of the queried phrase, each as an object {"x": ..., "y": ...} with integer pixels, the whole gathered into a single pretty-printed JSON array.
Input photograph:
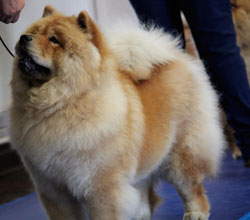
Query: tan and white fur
[
  {"x": 228, "y": 130},
  {"x": 121, "y": 111}
]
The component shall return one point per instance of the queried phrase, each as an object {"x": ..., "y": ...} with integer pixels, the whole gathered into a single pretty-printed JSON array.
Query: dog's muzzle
[{"x": 30, "y": 69}]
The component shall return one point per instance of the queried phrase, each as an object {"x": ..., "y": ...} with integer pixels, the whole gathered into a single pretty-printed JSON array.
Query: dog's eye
[{"x": 54, "y": 40}]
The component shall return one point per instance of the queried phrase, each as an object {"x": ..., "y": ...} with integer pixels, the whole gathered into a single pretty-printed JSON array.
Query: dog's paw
[{"x": 195, "y": 216}]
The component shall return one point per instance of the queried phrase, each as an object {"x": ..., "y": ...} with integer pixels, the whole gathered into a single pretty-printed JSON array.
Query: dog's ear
[
  {"x": 88, "y": 26},
  {"x": 48, "y": 10},
  {"x": 85, "y": 22}
]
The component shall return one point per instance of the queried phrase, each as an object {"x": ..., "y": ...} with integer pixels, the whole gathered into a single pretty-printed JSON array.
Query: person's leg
[
  {"x": 213, "y": 31},
  {"x": 163, "y": 13}
]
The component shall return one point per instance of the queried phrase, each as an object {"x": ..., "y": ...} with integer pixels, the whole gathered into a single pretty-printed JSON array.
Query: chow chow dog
[{"x": 99, "y": 117}]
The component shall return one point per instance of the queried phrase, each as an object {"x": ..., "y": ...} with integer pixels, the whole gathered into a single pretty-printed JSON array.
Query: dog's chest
[{"x": 66, "y": 165}]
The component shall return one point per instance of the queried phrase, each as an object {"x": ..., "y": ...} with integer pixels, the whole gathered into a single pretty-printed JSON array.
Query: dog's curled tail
[{"x": 140, "y": 49}]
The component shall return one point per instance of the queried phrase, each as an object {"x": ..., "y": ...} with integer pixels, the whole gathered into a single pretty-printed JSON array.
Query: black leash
[{"x": 6, "y": 47}]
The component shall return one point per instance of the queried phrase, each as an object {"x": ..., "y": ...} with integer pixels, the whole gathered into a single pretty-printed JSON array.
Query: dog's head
[{"x": 59, "y": 46}]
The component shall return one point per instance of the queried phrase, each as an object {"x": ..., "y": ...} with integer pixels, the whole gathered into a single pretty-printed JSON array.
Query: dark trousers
[{"x": 212, "y": 28}]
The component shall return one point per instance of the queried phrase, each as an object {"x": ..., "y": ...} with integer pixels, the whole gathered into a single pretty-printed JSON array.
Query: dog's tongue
[{"x": 27, "y": 65}]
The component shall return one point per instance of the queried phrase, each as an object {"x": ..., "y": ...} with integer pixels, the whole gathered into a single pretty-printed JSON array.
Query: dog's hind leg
[{"x": 185, "y": 175}]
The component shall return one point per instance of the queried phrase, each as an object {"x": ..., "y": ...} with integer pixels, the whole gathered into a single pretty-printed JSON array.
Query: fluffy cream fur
[
  {"x": 118, "y": 113},
  {"x": 139, "y": 50}
]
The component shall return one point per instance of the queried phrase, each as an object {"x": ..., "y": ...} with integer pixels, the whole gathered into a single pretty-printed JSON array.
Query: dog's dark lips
[
  {"x": 29, "y": 66},
  {"x": 32, "y": 70}
]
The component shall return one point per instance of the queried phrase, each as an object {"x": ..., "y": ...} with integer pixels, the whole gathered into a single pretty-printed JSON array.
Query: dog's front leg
[
  {"x": 61, "y": 206},
  {"x": 113, "y": 202}
]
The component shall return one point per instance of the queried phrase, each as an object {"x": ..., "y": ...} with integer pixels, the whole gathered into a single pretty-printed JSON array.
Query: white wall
[
  {"x": 102, "y": 11},
  {"x": 108, "y": 11}
]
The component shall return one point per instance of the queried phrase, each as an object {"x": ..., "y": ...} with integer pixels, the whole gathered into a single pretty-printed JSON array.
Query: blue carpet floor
[{"x": 229, "y": 196}]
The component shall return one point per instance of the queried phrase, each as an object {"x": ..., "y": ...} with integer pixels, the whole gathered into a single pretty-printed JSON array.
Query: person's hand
[{"x": 10, "y": 10}]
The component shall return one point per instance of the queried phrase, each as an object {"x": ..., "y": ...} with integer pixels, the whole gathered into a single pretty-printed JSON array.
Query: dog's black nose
[{"x": 25, "y": 38}]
